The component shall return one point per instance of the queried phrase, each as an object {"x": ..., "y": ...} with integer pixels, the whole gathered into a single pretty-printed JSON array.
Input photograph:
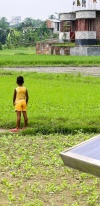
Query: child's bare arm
[
  {"x": 14, "y": 97},
  {"x": 27, "y": 97}
]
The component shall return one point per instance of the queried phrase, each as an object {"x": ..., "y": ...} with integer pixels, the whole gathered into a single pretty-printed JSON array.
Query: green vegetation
[
  {"x": 58, "y": 103},
  {"x": 24, "y": 34},
  {"x": 17, "y": 51},
  {"x": 32, "y": 173},
  {"x": 31, "y": 170},
  {"x": 26, "y": 57}
]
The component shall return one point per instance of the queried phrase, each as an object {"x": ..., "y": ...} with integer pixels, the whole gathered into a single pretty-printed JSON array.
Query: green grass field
[
  {"x": 58, "y": 103},
  {"x": 63, "y": 110},
  {"x": 24, "y": 57}
]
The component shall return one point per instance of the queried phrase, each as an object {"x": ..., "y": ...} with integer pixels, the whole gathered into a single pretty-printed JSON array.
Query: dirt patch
[
  {"x": 4, "y": 130},
  {"x": 91, "y": 71}
]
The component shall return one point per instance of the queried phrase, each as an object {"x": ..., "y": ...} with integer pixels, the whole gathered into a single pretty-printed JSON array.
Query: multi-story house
[
  {"x": 82, "y": 25},
  {"x": 15, "y": 20}
]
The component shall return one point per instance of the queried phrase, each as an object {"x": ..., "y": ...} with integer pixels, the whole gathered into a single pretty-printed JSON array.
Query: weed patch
[{"x": 32, "y": 172}]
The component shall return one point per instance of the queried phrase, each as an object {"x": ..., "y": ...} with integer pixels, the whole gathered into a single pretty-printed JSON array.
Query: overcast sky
[{"x": 36, "y": 9}]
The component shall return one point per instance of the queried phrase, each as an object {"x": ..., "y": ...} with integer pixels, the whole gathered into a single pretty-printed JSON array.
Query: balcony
[
  {"x": 67, "y": 16},
  {"x": 89, "y": 14}
]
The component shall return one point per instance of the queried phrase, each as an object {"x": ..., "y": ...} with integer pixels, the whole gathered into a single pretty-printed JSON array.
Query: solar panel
[{"x": 84, "y": 157}]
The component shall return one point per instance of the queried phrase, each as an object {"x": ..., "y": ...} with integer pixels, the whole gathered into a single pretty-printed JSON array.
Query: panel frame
[{"x": 81, "y": 162}]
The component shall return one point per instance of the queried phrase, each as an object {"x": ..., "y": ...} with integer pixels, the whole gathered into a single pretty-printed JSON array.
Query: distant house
[
  {"x": 15, "y": 20},
  {"x": 53, "y": 25}
]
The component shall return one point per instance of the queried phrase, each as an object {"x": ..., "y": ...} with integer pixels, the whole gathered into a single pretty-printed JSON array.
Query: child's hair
[{"x": 20, "y": 80}]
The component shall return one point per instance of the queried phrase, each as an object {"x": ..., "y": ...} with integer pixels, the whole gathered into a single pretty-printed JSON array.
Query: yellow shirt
[{"x": 20, "y": 94}]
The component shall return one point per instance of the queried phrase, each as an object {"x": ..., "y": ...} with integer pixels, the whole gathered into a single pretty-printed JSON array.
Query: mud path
[{"x": 90, "y": 71}]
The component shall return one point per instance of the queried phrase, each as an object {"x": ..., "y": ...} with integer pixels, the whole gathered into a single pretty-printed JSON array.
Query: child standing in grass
[{"x": 20, "y": 100}]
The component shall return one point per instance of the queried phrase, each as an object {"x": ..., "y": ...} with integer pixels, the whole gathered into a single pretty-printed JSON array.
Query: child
[{"x": 20, "y": 100}]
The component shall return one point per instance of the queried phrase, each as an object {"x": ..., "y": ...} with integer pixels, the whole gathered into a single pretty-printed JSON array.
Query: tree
[
  {"x": 3, "y": 27},
  {"x": 27, "y": 33},
  {"x": 3, "y": 23},
  {"x": 28, "y": 22},
  {"x": 2, "y": 36},
  {"x": 14, "y": 38}
]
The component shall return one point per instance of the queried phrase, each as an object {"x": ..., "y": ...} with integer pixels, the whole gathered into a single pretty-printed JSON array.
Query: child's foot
[{"x": 14, "y": 130}]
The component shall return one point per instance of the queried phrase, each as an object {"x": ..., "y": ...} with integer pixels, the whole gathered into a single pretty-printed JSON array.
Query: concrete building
[
  {"x": 82, "y": 25},
  {"x": 15, "y": 20}
]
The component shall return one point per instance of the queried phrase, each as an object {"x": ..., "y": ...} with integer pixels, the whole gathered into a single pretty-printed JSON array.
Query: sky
[{"x": 35, "y": 9}]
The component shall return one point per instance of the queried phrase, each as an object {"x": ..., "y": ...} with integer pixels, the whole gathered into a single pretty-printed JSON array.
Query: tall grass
[{"x": 59, "y": 103}]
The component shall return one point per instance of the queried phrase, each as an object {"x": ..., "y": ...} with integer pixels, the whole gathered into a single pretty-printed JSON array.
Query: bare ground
[
  {"x": 94, "y": 71},
  {"x": 4, "y": 130}
]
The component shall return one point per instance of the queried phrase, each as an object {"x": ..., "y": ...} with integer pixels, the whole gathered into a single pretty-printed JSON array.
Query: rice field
[{"x": 24, "y": 57}]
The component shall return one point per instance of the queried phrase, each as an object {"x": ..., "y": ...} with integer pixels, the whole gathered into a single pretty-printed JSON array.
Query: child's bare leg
[
  {"x": 25, "y": 119},
  {"x": 18, "y": 119}
]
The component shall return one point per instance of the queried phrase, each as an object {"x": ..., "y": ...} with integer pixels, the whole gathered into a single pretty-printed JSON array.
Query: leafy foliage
[
  {"x": 3, "y": 23},
  {"x": 27, "y": 33}
]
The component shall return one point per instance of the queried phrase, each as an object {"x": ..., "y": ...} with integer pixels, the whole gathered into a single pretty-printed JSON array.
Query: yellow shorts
[{"x": 21, "y": 106}]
